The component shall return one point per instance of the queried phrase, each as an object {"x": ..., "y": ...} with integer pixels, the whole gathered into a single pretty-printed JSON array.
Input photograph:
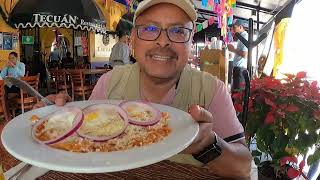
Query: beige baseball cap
[{"x": 186, "y": 5}]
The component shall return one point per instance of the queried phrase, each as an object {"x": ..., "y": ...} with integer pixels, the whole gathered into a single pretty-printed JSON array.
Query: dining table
[
  {"x": 89, "y": 71},
  {"x": 162, "y": 170}
]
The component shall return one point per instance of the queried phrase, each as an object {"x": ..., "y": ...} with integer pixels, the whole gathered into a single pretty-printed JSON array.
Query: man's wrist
[{"x": 210, "y": 152}]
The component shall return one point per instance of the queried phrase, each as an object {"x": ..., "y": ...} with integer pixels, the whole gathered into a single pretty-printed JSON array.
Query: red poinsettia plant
[{"x": 284, "y": 118}]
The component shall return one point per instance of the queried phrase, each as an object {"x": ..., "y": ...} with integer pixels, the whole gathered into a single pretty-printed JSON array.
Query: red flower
[
  {"x": 293, "y": 173},
  {"x": 238, "y": 107},
  {"x": 270, "y": 118},
  {"x": 301, "y": 75},
  {"x": 284, "y": 160},
  {"x": 281, "y": 114},
  {"x": 289, "y": 76},
  {"x": 242, "y": 85},
  {"x": 270, "y": 103},
  {"x": 314, "y": 85},
  {"x": 237, "y": 95},
  {"x": 292, "y": 108},
  {"x": 283, "y": 106},
  {"x": 294, "y": 170}
]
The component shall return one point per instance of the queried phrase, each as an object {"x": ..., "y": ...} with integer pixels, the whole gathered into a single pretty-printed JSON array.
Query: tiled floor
[{"x": 6, "y": 159}]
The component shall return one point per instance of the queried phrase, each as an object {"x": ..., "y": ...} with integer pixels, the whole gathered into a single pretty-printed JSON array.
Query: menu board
[{"x": 7, "y": 41}]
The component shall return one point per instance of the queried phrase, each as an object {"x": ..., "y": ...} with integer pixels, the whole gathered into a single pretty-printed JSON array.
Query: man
[
  {"x": 54, "y": 58},
  {"x": 14, "y": 68},
  {"x": 162, "y": 45},
  {"x": 120, "y": 53},
  {"x": 240, "y": 57}
]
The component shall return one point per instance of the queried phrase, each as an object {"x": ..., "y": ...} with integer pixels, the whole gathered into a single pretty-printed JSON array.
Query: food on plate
[
  {"x": 57, "y": 126},
  {"x": 106, "y": 128},
  {"x": 141, "y": 113},
  {"x": 34, "y": 118},
  {"x": 103, "y": 122}
]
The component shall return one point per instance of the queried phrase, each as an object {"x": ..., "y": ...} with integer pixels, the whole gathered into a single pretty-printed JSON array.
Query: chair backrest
[
  {"x": 77, "y": 77},
  {"x": 3, "y": 105},
  {"x": 27, "y": 102}
]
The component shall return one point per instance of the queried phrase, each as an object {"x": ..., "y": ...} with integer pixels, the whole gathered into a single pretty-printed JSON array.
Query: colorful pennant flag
[{"x": 199, "y": 27}]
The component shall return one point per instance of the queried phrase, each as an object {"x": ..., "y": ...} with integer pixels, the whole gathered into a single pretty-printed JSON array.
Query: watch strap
[{"x": 209, "y": 153}]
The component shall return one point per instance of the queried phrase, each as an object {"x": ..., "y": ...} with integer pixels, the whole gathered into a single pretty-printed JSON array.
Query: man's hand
[
  {"x": 205, "y": 136},
  {"x": 231, "y": 48},
  {"x": 11, "y": 64},
  {"x": 59, "y": 99}
]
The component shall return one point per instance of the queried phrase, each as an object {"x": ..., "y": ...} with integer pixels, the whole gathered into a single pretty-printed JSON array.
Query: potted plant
[{"x": 284, "y": 119}]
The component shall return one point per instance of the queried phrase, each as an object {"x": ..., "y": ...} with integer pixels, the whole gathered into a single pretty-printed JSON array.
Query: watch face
[{"x": 105, "y": 39}]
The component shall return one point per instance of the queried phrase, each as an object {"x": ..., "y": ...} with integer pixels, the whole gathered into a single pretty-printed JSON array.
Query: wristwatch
[{"x": 209, "y": 153}]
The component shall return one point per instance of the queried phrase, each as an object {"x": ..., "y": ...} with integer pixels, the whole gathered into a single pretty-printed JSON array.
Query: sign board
[{"x": 27, "y": 40}]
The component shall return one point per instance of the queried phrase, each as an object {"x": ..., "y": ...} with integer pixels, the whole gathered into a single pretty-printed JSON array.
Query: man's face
[
  {"x": 237, "y": 28},
  {"x": 162, "y": 58},
  {"x": 12, "y": 60}
]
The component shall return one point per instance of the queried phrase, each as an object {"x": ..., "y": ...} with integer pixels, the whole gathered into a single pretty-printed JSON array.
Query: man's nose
[{"x": 163, "y": 40}]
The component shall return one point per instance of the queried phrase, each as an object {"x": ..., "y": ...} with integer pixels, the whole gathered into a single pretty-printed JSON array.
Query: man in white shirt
[
  {"x": 120, "y": 53},
  {"x": 240, "y": 55}
]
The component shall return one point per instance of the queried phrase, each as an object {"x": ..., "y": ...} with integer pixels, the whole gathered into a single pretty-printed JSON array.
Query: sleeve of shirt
[
  {"x": 100, "y": 89},
  {"x": 21, "y": 70},
  {"x": 126, "y": 54},
  {"x": 242, "y": 47},
  {"x": 226, "y": 123},
  {"x": 4, "y": 72},
  {"x": 112, "y": 54}
]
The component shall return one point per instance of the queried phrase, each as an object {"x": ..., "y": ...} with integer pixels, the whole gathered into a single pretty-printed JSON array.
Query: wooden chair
[
  {"x": 4, "y": 112},
  {"x": 60, "y": 80},
  {"x": 25, "y": 102},
  {"x": 79, "y": 86}
]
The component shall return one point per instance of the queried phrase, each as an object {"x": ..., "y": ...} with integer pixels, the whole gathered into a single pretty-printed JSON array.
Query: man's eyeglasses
[{"x": 175, "y": 34}]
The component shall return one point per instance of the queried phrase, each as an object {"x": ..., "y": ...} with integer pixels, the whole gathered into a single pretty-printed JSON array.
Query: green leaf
[
  {"x": 313, "y": 158},
  {"x": 256, "y": 153},
  {"x": 261, "y": 146}
]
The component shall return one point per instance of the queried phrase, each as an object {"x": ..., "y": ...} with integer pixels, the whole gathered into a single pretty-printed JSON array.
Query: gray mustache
[{"x": 162, "y": 51}]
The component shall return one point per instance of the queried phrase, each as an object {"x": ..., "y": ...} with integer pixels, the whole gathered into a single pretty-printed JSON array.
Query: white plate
[{"x": 16, "y": 138}]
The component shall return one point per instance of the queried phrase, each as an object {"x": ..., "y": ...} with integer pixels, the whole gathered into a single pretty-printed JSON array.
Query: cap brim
[{"x": 186, "y": 6}]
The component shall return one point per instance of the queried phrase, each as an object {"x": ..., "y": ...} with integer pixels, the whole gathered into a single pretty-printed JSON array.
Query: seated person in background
[
  {"x": 161, "y": 75},
  {"x": 14, "y": 68},
  {"x": 68, "y": 62}
]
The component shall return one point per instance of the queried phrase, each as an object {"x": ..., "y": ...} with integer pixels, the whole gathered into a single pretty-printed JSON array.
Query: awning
[
  {"x": 80, "y": 14},
  {"x": 125, "y": 24}
]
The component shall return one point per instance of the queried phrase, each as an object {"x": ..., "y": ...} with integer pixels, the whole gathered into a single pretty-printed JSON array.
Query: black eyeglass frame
[{"x": 166, "y": 30}]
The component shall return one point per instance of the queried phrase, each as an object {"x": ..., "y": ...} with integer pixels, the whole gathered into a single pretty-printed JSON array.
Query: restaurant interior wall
[
  {"x": 47, "y": 37},
  {"x": 4, "y": 27},
  {"x": 112, "y": 11}
]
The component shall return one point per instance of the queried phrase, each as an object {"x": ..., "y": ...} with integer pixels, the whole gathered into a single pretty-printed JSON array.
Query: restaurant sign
[
  {"x": 66, "y": 21},
  {"x": 27, "y": 40}
]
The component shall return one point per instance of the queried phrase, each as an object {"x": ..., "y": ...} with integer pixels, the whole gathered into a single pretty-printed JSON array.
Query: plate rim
[{"x": 101, "y": 169}]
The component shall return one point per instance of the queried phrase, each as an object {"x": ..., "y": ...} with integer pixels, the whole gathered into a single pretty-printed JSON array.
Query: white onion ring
[
  {"x": 156, "y": 115},
  {"x": 121, "y": 112},
  {"x": 77, "y": 122}
]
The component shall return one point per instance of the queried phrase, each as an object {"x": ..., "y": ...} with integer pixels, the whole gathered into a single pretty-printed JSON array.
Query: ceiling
[{"x": 246, "y": 9}]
